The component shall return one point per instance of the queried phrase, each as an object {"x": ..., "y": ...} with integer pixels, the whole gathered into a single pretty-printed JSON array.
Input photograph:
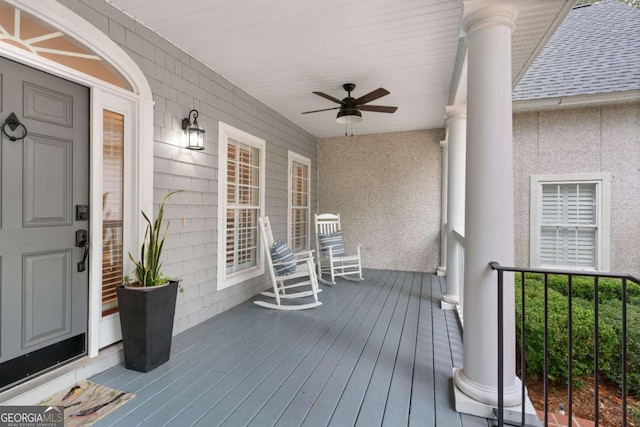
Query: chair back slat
[
  {"x": 265, "y": 229},
  {"x": 267, "y": 242},
  {"x": 327, "y": 223}
]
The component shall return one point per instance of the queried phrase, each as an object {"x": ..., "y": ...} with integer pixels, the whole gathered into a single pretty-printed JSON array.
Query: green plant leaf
[{"x": 147, "y": 268}]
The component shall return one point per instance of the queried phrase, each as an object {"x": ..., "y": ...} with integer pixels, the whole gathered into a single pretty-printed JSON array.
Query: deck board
[
  {"x": 442, "y": 360},
  {"x": 399, "y": 400},
  {"x": 423, "y": 391},
  {"x": 377, "y": 352},
  {"x": 373, "y": 405},
  {"x": 326, "y": 402},
  {"x": 349, "y": 406}
]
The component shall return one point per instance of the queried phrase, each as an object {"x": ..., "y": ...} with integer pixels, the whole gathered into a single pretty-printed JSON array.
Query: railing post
[
  {"x": 596, "y": 351},
  {"x": 500, "y": 349},
  {"x": 545, "y": 368},
  {"x": 624, "y": 352},
  {"x": 523, "y": 366},
  {"x": 570, "y": 344}
]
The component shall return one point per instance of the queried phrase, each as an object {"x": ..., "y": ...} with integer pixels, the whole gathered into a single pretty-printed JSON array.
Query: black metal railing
[{"x": 624, "y": 279}]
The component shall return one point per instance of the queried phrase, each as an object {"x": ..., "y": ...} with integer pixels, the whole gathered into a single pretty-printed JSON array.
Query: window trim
[
  {"x": 293, "y": 156},
  {"x": 225, "y": 132},
  {"x": 603, "y": 215}
]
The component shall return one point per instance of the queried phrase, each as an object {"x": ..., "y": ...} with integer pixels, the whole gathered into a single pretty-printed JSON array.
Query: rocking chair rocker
[
  {"x": 285, "y": 266},
  {"x": 332, "y": 258}
]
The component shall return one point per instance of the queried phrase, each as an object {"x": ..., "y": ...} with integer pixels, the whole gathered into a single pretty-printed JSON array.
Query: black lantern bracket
[
  {"x": 13, "y": 123},
  {"x": 186, "y": 122}
]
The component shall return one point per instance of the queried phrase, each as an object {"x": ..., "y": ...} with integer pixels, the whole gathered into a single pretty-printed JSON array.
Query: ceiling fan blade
[
  {"x": 317, "y": 111},
  {"x": 329, "y": 97},
  {"x": 378, "y": 108},
  {"x": 378, "y": 93}
]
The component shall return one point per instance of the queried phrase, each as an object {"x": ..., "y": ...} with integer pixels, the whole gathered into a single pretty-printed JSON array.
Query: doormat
[{"x": 87, "y": 402}]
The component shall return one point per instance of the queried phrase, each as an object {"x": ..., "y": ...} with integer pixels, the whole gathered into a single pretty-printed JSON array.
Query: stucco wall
[
  {"x": 180, "y": 83},
  {"x": 386, "y": 188},
  {"x": 583, "y": 140}
]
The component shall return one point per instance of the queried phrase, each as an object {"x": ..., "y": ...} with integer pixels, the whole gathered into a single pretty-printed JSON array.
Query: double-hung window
[
  {"x": 570, "y": 221},
  {"x": 241, "y": 201},
  {"x": 299, "y": 185}
]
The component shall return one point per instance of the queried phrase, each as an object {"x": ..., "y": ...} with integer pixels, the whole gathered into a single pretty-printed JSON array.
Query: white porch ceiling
[{"x": 279, "y": 51}]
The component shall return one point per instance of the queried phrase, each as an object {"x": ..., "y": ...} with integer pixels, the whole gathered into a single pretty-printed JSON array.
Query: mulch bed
[{"x": 610, "y": 402}]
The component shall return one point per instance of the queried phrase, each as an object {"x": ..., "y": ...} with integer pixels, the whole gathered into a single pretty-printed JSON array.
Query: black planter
[{"x": 146, "y": 319}]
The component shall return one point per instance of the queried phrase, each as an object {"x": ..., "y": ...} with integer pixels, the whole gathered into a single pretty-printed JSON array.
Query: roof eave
[{"x": 576, "y": 101}]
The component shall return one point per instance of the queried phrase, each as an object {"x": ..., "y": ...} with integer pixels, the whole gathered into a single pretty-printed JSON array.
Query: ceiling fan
[{"x": 350, "y": 107}]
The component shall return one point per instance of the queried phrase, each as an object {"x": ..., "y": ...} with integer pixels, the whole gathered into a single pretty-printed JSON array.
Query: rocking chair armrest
[
  {"x": 305, "y": 259},
  {"x": 297, "y": 261},
  {"x": 306, "y": 254},
  {"x": 330, "y": 251}
]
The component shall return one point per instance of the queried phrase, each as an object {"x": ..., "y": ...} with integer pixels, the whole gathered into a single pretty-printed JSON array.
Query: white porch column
[
  {"x": 489, "y": 234},
  {"x": 442, "y": 269},
  {"x": 456, "y": 120}
]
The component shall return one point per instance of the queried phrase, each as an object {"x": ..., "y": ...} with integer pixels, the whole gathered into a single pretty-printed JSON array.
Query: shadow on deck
[{"x": 377, "y": 352}]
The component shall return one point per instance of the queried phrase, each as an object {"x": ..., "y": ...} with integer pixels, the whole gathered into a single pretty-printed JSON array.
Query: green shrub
[
  {"x": 583, "y": 287},
  {"x": 609, "y": 327},
  {"x": 582, "y": 327},
  {"x": 634, "y": 415},
  {"x": 611, "y": 313}
]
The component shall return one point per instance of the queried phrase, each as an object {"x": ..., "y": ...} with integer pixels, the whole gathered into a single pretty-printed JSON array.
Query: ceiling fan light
[{"x": 348, "y": 116}]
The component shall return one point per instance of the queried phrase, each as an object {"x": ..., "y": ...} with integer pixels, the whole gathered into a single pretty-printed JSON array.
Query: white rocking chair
[
  {"x": 304, "y": 268},
  {"x": 332, "y": 259}
]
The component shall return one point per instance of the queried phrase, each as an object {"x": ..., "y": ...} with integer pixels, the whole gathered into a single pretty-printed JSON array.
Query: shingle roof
[{"x": 595, "y": 50}]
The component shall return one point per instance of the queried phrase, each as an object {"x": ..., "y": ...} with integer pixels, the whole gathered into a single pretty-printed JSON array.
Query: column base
[
  {"x": 466, "y": 404},
  {"x": 441, "y": 271},
  {"x": 448, "y": 302},
  {"x": 447, "y": 305}
]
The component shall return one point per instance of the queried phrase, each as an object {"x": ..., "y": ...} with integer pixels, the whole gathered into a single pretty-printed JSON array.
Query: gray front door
[{"x": 43, "y": 295}]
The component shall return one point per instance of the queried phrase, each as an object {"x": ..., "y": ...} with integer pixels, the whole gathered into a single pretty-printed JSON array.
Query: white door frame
[{"x": 138, "y": 158}]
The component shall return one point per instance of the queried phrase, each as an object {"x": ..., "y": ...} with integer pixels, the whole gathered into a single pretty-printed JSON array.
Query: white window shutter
[{"x": 568, "y": 232}]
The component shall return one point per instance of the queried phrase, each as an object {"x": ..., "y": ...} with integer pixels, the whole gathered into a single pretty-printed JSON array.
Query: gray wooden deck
[{"x": 377, "y": 352}]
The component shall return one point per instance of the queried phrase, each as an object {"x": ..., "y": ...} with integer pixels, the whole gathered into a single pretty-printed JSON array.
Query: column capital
[
  {"x": 487, "y": 13},
  {"x": 455, "y": 112}
]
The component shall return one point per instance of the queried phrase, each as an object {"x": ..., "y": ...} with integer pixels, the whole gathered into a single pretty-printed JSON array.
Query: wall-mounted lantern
[{"x": 194, "y": 133}]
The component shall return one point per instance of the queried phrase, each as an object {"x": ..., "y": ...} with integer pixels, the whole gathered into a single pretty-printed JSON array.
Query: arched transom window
[{"x": 26, "y": 32}]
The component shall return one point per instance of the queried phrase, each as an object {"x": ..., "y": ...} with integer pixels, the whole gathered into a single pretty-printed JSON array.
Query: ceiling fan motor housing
[{"x": 349, "y": 114}]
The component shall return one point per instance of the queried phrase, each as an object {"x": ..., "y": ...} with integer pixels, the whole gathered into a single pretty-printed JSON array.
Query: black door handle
[{"x": 82, "y": 241}]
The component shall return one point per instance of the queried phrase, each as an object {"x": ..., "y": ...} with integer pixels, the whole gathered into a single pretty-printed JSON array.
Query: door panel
[
  {"x": 48, "y": 178},
  {"x": 43, "y": 297},
  {"x": 47, "y": 105},
  {"x": 47, "y": 296}
]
